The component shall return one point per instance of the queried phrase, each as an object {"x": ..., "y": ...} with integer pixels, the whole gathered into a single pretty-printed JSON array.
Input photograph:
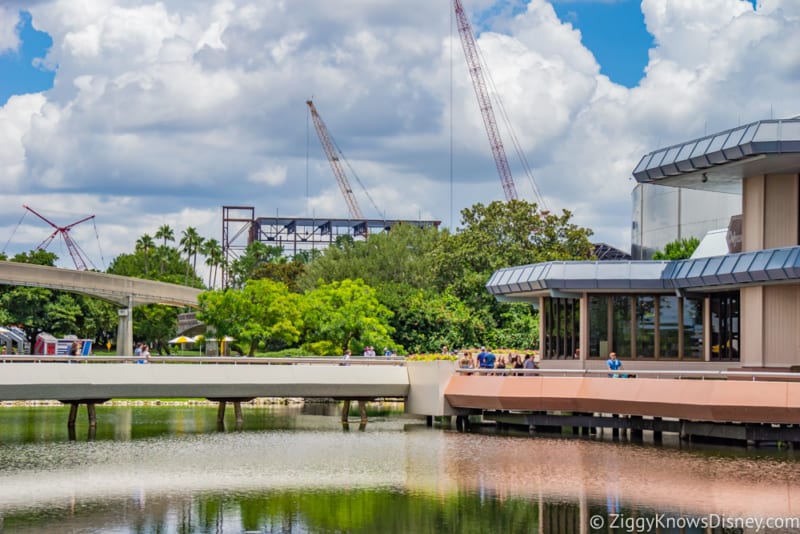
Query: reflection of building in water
[
  {"x": 664, "y": 214},
  {"x": 558, "y": 517}
]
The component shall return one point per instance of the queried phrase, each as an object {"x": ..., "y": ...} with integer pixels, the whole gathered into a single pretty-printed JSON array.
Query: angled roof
[
  {"x": 719, "y": 161},
  {"x": 714, "y": 273}
]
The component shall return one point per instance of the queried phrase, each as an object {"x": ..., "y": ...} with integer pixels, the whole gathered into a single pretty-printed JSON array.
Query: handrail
[
  {"x": 235, "y": 360},
  {"x": 676, "y": 373}
]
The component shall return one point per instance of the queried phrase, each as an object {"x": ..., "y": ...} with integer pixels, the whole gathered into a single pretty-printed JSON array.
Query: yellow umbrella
[{"x": 181, "y": 339}]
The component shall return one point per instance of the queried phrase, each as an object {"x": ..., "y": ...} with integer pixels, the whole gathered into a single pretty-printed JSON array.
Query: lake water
[{"x": 168, "y": 469}]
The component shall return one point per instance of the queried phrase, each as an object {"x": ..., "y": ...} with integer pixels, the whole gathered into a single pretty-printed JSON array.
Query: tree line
[{"x": 410, "y": 289}]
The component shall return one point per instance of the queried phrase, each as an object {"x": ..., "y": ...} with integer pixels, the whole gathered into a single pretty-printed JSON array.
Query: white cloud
[
  {"x": 9, "y": 36},
  {"x": 15, "y": 121},
  {"x": 272, "y": 176},
  {"x": 163, "y": 111}
]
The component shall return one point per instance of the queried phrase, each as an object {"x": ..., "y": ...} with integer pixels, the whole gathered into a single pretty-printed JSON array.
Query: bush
[{"x": 431, "y": 357}]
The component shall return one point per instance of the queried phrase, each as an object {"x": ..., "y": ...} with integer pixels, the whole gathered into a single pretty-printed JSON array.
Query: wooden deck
[{"x": 689, "y": 399}]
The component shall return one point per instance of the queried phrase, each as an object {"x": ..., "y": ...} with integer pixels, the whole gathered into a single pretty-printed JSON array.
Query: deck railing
[
  {"x": 679, "y": 374},
  {"x": 213, "y": 360}
]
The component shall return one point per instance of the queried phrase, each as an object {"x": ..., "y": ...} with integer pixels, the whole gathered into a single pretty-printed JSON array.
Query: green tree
[
  {"x": 155, "y": 324},
  {"x": 404, "y": 255},
  {"x": 263, "y": 312},
  {"x": 212, "y": 250},
  {"x": 36, "y": 257},
  {"x": 680, "y": 249},
  {"x": 144, "y": 245},
  {"x": 498, "y": 235},
  {"x": 190, "y": 243},
  {"x": 344, "y": 315},
  {"x": 255, "y": 255},
  {"x": 165, "y": 233},
  {"x": 425, "y": 320}
]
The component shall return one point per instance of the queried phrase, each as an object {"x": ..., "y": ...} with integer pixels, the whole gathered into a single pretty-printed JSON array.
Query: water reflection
[{"x": 292, "y": 469}]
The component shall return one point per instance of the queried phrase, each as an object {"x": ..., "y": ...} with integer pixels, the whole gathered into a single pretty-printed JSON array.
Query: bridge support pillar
[
  {"x": 125, "y": 329},
  {"x": 362, "y": 410},
  {"x": 221, "y": 412},
  {"x": 237, "y": 410},
  {"x": 90, "y": 411},
  {"x": 345, "y": 411}
]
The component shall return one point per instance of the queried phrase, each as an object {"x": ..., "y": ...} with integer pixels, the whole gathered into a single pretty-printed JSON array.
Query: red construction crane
[
  {"x": 333, "y": 157},
  {"x": 484, "y": 102},
  {"x": 72, "y": 247}
]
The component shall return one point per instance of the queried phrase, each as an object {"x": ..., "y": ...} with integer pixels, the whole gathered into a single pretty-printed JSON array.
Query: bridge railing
[
  {"x": 209, "y": 360},
  {"x": 679, "y": 374}
]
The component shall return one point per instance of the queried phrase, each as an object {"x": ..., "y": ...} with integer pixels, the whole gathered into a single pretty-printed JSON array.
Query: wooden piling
[
  {"x": 237, "y": 410},
  {"x": 73, "y": 414},
  {"x": 92, "y": 414},
  {"x": 345, "y": 411},
  {"x": 362, "y": 408},
  {"x": 221, "y": 412}
]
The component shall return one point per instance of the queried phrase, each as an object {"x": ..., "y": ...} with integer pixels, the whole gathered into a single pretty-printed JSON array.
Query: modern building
[
  {"x": 663, "y": 214},
  {"x": 733, "y": 310}
]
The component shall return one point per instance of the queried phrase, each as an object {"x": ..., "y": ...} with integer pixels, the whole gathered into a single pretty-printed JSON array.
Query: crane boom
[
  {"x": 484, "y": 102},
  {"x": 72, "y": 247},
  {"x": 336, "y": 165}
]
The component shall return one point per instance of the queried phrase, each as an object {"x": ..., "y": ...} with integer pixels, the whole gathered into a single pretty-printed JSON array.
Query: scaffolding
[{"x": 240, "y": 227}]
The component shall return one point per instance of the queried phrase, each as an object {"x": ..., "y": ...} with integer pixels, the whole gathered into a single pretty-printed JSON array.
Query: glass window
[
  {"x": 725, "y": 327},
  {"x": 668, "y": 315},
  {"x": 561, "y": 328},
  {"x": 598, "y": 327},
  {"x": 645, "y": 326},
  {"x": 621, "y": 334},
  {"x": 693, "y": 328}
]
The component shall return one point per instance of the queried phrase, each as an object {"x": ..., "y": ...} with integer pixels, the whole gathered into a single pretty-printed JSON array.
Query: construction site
[{"x": 241, "y": 226}]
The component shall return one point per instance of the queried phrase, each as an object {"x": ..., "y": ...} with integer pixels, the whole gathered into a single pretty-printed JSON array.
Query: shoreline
[{"x": 259, "y": 401}]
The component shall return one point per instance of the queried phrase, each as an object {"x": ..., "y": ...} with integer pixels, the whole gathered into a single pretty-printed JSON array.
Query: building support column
[
  {"x": 125, "y": 329},
  {"x": 542, "y": 328},
  {"x": 583, "y": 333}
]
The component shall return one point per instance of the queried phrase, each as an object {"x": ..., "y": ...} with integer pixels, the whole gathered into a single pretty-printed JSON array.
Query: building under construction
[{"x": 241, "y": 226}]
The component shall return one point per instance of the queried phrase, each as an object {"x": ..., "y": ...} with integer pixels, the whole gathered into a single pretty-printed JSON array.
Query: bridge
[
  {"x": 92, "y": 380},
  {"x": 740, "y": 405},
  {"x": 123, "y": 291}
]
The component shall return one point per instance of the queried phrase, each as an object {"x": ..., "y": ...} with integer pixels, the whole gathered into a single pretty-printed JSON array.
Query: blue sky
[
  {"x": 615, "y": 32},
  {"x": 18, "y": 73}
]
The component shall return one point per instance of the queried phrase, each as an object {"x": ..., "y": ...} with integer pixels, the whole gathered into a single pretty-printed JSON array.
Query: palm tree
[
  {"x": 166, "y": 233},
  {"x": 191, "y": 242},
  {"x": 145, "y": 244},
  {"x": 212, "y": 250}
]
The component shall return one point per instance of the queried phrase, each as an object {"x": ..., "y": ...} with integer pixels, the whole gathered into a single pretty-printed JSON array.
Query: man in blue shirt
[
  {"x": 613, "y": 364},
  {"x": 485, "y": 359}
]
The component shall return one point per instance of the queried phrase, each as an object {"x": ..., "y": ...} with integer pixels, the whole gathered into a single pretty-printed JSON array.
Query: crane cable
[
  {"x": 24, "y": 212},
  {"x": 495, "y": 95},
  {"x": 355, "y": 175},
  {"x": 97, "y": 236}
]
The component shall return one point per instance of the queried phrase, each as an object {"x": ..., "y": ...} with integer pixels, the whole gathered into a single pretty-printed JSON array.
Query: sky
[{"x": 146, "y": 113}]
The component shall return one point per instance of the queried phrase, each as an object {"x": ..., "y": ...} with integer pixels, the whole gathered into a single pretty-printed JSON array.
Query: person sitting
[{"x": 613, "y": 364}]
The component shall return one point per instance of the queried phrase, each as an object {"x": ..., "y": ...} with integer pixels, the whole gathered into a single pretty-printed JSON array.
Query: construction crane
[
  {"x": 484, "y": 102},
  {"x": 333, "y": 157},
  {"x": 73, "y": 248}
]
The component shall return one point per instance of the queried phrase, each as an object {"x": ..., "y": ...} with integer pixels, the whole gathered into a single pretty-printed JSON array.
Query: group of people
[
  {"x": 142, "y": 351},
  {"x": 486, "y": 359}
]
